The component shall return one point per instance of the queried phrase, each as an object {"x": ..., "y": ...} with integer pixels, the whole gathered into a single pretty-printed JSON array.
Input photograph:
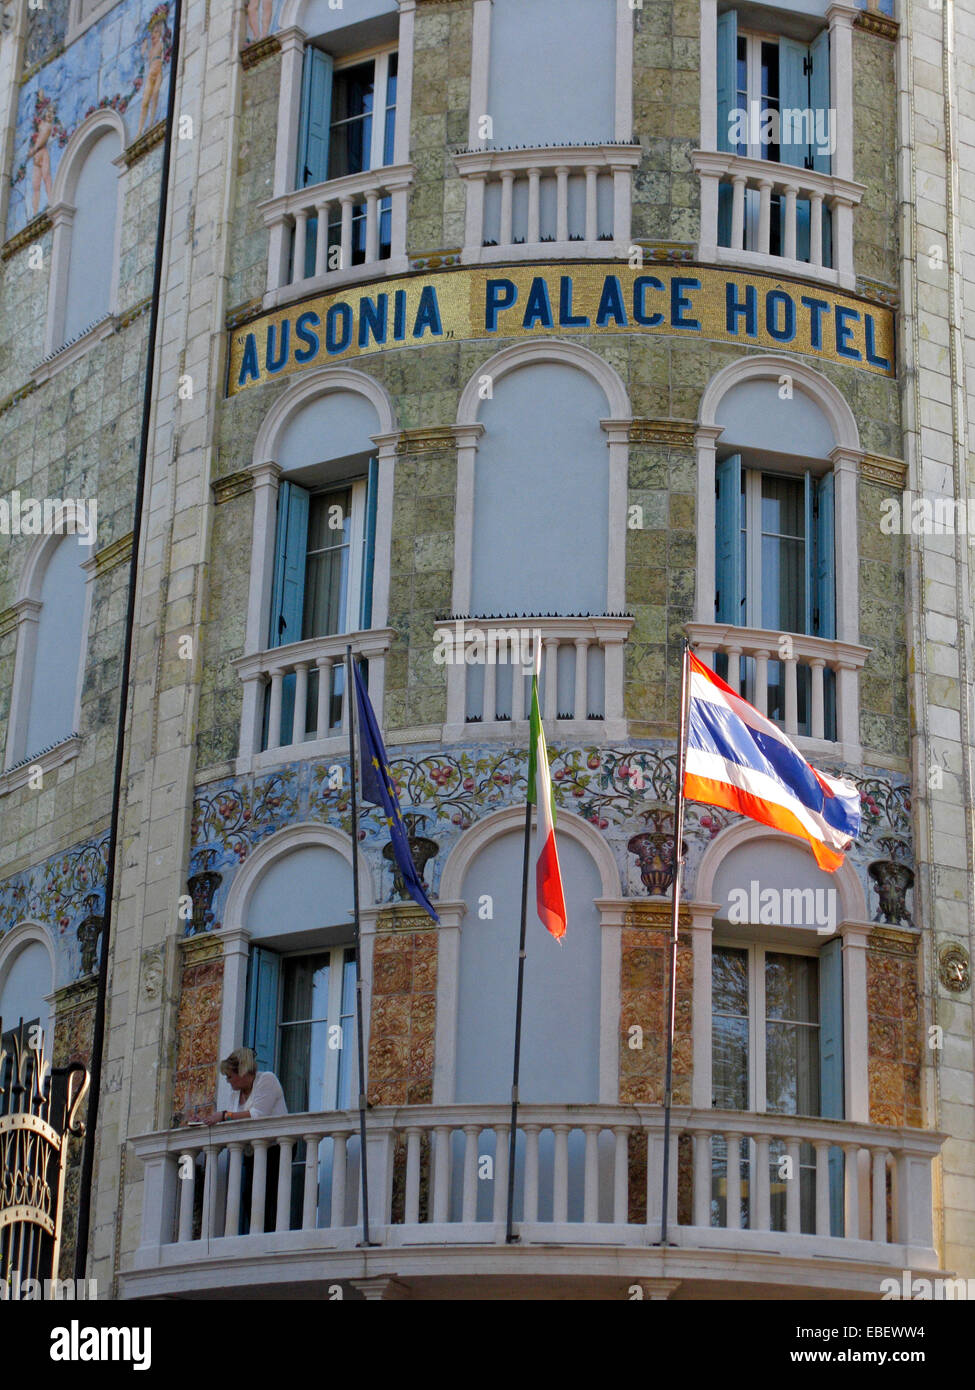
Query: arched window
[
  {"x": 85, "y": 215},
  {"x": 779, "y": 1012},
  {"x": 26, "y": 979},
  {"x": 777, "y": 594},
  {"x": 323, "y": 471},
  {"x": 538, "y": 53},
  {"x": 51, "y": 641},
  {"x": 562, "y": 989}
]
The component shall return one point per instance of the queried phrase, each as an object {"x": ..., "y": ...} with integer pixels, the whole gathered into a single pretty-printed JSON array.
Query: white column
[
  {"x": 259, "y": 1189},
  {"x": 448, "y": 989},
  {"x": 404, "y": 81},
  {"x": 761, "y": 1202},
  {"x": 309, "y": 1205},
  {"x": 592, "y": 203},
  {"x": 274, "y": 713},
  {"x": 301, "y": 701},
  {"x": 372, "y": 226},
  {"x": 62, "y": 219},
  {"x": 480, "y": 68},
  {"x": 232, "y": 1220},
  {"x": 846, "y": 474},
  {"x": 466, "y": 437},
  {"x": 701, "y": 937},
  {"x": 622, "y": 184},
  {"x": 738, "y": 212},
  {"x": 855, "y": 1036},
  {"x": 28, "y": 611},
  {"x": 733, "y": 1182},
  {"x": 709, "y": 64},
  {"x": 507, "y": 203},
  {"x": 286, "y": 152},
  {"x": 534, "y": 206},
  {"x": 321, "y": 241},
  {"x": 761, "y": 681},
  {"x": 236, "y": 950},
  {"x": 621, "y": 1174},
  {"x": 581, "y": 694},
  {"x": 474, "y": 218},
  {"x": 324, "y": 666},
  {"x": 843, "y": 242},
  {"x": 347, "y": 202},
  {"x": 282, "y": 1216},
  {"x": 791, "y": 696},
  {"x": 764, "y": 215},
  {"x": 841, "y": 18},
  {"x": 590, "y": 1201},
  {"x": 618, "y": 436},
  {"x": 710, "y": 185},
  {"x": 340, "y": 1164},
  {"x": 792, "y": 1193},
  {"x": 531, "y": 1172},
  {"x": 411, "y": 1213},
  {"x": 562, "y": 203},
  {"x": 818, "y": 721},
  {"x": 822, "y": 1187},
  {"x": 705, "y": 441},
  {"x": 551, "y": 645},
  {"x": 623, "y": 123},
  {"x": 702, "y": 1179},
  {"x": 816, "y": 229},
  {"x": 386, "y": 463},
  {"x": 560, "y": 1174},
  {"x": 301, "y": 244},
  {"x": 789, "y": 248}
]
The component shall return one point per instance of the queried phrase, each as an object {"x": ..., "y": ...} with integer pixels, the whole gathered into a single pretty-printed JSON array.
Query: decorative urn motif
[
  {"x": 654, "y": 850},
  {"x": 89, "y": 932},
  {"x": 422, "y": 850},
  {"x": 893, "y": 879},
  {"x": 202, "y": 887}
]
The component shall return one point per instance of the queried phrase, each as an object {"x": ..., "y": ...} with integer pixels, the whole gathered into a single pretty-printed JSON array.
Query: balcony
[
  {"x": 294, "y": 696},
  {"x": 810, "y": 677},
  {"x": 587, "y": 1200},
  {"x": 547, "y": 204},
  {"x": 581, "y": 685},
  {"x": 756, "y": 182},
  {"x": 334, "y": 233}
]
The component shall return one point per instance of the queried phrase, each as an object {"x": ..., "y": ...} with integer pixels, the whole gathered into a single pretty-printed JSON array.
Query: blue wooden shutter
[
  {"x": 369, "y": 547},
  {"x": 261, "y": 1007},
  {"x": 316, "y": 118},
  {"x": 793, "y": 96},
  {"x": 810, "y": 552},
  {"x": 729, "y": 587},
  {"x": 290, "y": 555},
  {"x": 819, "y": 96},
  {"x": 825, "y": 560},
  {"x": 832, "y": 1101},
  {"x": 727, "y": 74}
]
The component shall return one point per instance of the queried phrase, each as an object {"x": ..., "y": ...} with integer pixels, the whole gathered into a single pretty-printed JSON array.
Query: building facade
[{"x": 594, "y": 322}]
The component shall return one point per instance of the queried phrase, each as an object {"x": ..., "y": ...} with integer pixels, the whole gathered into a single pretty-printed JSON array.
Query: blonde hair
[{"x": 241, "y": 1060}]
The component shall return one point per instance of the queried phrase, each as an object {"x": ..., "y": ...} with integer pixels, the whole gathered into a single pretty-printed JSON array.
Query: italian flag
[{"x": 548, "y": 875}]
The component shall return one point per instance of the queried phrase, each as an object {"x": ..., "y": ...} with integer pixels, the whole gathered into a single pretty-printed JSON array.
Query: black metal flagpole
[
  {"x": 350, "y": 698},
  {"x": 512, "y": 1138},
  {"x": 674, "y": 920},
  {"x": 516, "y": 1068}
]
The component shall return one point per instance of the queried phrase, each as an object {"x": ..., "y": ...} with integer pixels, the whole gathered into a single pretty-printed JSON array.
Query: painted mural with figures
[
  {"x": 627, "y": 794},
  {"x": 121, "y": 62},
  {"x": 65, "y": 895}
]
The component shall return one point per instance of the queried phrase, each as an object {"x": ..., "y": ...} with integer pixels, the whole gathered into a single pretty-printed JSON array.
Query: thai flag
[{"x": 738, "y": 759}]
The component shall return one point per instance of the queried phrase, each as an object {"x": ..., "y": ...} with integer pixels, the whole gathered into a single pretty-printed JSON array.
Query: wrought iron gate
[{"x": 38, "y": 1116}]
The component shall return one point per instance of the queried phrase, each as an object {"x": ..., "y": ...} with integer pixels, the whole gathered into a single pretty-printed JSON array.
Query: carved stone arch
[
  {"x": 769, "y": 367},
  {"x": 500, "y": 823},
  {"x": 320, "y": 383},
  {"x": 304, "y": 835},
  {"x": 76, "y": 150},
  {"x": 552, "y": 350}
]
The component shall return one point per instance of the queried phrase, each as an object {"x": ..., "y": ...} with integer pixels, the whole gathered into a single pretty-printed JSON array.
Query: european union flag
[{"x": 376, "y": 784}]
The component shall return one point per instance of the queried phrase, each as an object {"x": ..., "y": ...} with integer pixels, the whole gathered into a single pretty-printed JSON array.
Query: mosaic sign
[{"x": 540, "y": 301}]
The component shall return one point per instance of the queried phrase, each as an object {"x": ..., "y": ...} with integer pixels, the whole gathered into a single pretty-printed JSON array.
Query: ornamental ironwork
[{"x": 39, "y": 1108}]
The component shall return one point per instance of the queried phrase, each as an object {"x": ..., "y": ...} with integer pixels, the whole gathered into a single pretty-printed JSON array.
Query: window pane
[
  {"x": 792, "y": 1034},
  {"x": 783, "y": 553},
  {"x": 327, "y": 566},
  {"x": 351, "y": 131},
  {"x": 729, "y": 981},
  {"x": 729, "y": 994}
]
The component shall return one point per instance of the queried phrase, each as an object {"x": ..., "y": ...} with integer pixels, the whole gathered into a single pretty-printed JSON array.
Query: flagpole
[
  {"x": 513, "y": 1136},
  {"x": 350, "y": 700},
  {"x": 674, "y": 921}
]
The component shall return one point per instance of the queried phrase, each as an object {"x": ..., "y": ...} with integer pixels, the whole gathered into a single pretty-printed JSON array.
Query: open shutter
[
  {"x": 825, "y": 561},
  {"x": 261, "y": 1008},
  {"x": 832, "y": 1102},
  {"x": 369, "y": 546},
  {"x": 793, "y": 96},
  {"x": 809, "y": 550},
  {"x": 729, "y": 588},
  {"x": 727, "y": 74},
  {"x": 290, "y": 553},
  {"x": 316, "y": 117},
  {"x": 819, "y": 99}
]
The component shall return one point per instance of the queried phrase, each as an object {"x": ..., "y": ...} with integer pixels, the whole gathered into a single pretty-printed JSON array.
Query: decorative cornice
[
  {"x": 32, "y": 232},
  {"x": 875, "y": 23},
  {"x": 435, "y": 260},
  {"x": 878, "y": 292},
  {"x": 79, "y": 995},
  {"x": 197, "y": 950},
  {"x": 892, "y": 942},
  {"x": 154, "y": 136},
  {"x": 113, "y": 555},
  {"x": 136, "y": 312},
  {"x": 400, "y": 917},
  {"x": 877, "y": 468},
  {"x": 426, "y": 441},
  {"x": 656, "y": 916},
  {"x": 256, "y": 52},
  {"x": 20, "y": 394},
  {"x": 243, "y": 312},
  {"x": 678, "y": 433},
  {"x": 666, "y": 250},
  {"x": 235, "y": 485}
]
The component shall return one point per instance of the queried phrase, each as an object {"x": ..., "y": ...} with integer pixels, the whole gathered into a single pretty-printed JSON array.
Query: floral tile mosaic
[{"x": 61, "y": 894}]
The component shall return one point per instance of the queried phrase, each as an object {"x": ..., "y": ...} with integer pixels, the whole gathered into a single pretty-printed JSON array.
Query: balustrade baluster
[
  {"x": 372, "y": 226},
  {"x": 817, "y": 713},
  {"x": 187, "y": 1184},
  {"x": 531, "y": 1171},
  {"x": 506, "y": 231},
  {"x": 590, "y": 1208},
  {"x": 560, "y": 1176},
  {"x": 702, "y": 1179},
  {"x": 322, "y": 720},
  {"x": 321, "y": 240},
  {"x": 851, "y": 1224},
  {"x": 621, "y": 1175},
  {"x": 282, "y": 1216},
  {"x": 581, "y": 698},
  {"x": 879, "y": 1184},
  {"x": 469, "y": 1206},
  {"x": 738, "y": 212},
  {"x": 791, "y": 696},
  {"x": 822, "y": 1187},
  {"x": 441, "y": 1173},
  {"x": 301, "y": 242},
  {"x": 502, "y": 1138},
  {"x": 816, "y": 229},
  {"x": 789, "y": 249},
  {"x": 562, "y": 203},
  {"x": 309, "y": 1204},
  {"x": 793, "y": 1190},
  {"x": 411, "y": 1213},
  {"x": 760, "y": 1187},
  {"x": 340, "y": 1166},
  {"x": 231, "y": 1225},
  {"x": 301, "y": 702},
  {"x": 534, "y": 206},
  {"x": 592, "y": 202},
  {"x": 274, "y": 714},
  {"x": 259, "y": 1186},
  {"x": 733, "y": 1183}
]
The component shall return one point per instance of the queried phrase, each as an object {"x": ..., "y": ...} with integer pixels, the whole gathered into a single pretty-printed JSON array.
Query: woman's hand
[{"x": 215, "y": 1117}]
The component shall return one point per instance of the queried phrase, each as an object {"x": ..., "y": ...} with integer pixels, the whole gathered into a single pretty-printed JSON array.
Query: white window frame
[
  {"x": 754, "y": 38},
  {"x": 78, "y": 24},
  {"x": 333, "y": 1014},
  {"x": 379, "y": 57},
  {"x": 357, "y": 488},
  {"x": 757, "y": 1012}
]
